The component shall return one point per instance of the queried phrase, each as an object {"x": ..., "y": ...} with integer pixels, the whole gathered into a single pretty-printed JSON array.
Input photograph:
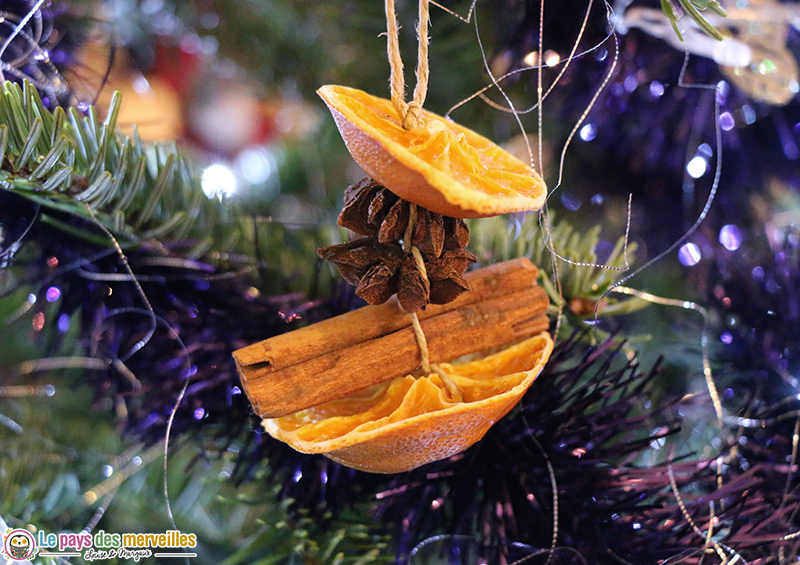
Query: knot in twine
[
  {"x": 413, "y": 117},
  {"x": 410, "y": 112}
]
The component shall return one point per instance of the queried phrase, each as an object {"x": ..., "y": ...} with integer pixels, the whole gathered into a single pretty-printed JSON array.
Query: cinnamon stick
[
  {"x": 374, "y": 321},
  {"x": 376, "y": 343}
]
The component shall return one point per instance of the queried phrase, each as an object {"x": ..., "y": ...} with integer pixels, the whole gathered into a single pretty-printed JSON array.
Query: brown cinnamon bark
[
  {"x": 374, "y": 321},
  {"x": 334, "y": 358}
]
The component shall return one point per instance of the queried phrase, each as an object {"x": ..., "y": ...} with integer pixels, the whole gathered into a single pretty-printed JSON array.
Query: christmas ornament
[
  {"x": 751, "y": 48},
  {"x": 365, "y": 388}
]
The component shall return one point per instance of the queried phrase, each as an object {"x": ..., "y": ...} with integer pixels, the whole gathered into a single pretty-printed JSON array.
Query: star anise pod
[
  {"x": 446, "y": 285},
  {"x": 428, "y": 233},
  {"x": 379, "y": 283},
  {"x": 377, "y": 264},
  {"x": 355, "y": 258},
  {"x": 446, "y": 275},
  {"x": 356, "y": 211},
  {"x": 459, "y": 259},
  {"x": 393, "y": 225},
  {"x": 379, "y": 270},
  {"x": 456, "y": 233},
  {"x": 413, "y": 289},
  {"x": 373, "y": 210}
]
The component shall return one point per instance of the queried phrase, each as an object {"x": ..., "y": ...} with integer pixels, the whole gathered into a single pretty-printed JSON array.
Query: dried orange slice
[
  {"x": 407, "y": 422},
  {"x": 441, "y": 165}
]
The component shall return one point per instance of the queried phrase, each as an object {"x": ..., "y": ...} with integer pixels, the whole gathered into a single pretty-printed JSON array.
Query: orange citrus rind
[
  {"x": 407, "y": 422},
  {"x": 441, "y": 166}
]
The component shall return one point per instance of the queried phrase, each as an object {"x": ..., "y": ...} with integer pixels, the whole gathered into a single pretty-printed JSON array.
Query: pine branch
[
  {"x": 584, "y": 275},
  {"x": 68, "y": 162},
  {"x": 692, "y": 8}
]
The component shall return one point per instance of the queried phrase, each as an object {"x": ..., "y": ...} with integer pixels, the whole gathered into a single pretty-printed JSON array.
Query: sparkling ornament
[{"x": 752, "y": 51}]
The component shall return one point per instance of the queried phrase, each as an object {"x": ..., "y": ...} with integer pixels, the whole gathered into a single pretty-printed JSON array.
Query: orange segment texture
[
  {"x": 441, "y": 165},
  {"x": 407, "y": 422}
]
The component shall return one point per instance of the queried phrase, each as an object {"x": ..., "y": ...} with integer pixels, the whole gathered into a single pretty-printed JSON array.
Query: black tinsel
[
  {"x": 42, "y": 48},
  {"x": 194, "y": 316},
  {"x": 756, "y": 290}
]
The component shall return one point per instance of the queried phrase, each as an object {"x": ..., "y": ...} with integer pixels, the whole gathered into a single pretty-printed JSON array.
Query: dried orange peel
[
  {"x": 440, "y": 165},
  {"x": 407, "y": 422}
]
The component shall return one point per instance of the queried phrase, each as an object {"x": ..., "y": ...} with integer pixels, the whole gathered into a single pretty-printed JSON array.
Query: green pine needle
[
  {"x": 581, "y": 277},
  {"x": 81, "y": 165},
  {"x": 693, "y": 8}
]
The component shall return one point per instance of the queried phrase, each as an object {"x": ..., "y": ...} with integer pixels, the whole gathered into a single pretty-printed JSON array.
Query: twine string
[
  {"x": 422, "y": 341},
  {"x": 422, "y": 71},
  {"x": 409, "y": 247},
  {"x": 396, "y": 79},
  {"x": 409, "y": 112}
]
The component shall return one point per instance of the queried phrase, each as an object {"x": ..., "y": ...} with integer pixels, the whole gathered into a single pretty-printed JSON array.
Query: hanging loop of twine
[{"x": 409, "y": 112}]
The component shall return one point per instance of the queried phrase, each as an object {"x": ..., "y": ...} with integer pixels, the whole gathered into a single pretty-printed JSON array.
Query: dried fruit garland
[{"x": 365, "y": 388}]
